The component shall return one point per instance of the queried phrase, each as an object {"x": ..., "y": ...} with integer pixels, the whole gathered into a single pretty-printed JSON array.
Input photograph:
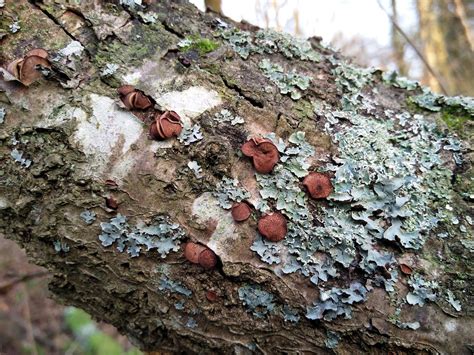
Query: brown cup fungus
[
  {"x": 166, "y": 125},
  {"x": 318, "y": 185},
  {"x": 26, "y": 70},
  {"x": 200, "y": 254},
  {"x": 111, "y": 203},
  {"x": 241, "y": 211},
  {"x": 134, "y": 99},
  {"x": 273, "y": 226},
  {"x": 263, "y": 152}
]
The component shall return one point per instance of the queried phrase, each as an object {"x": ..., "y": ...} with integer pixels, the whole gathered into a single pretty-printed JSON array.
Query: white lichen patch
[
  {"x": 109, "y": 130},
  {"x": 206, "y": 208},
  {"x": 64, "y": 115},
  {"x": 451, "y": 325},
  {"x": 4, "y": 203},
  {"x": 191, "y": 102}
]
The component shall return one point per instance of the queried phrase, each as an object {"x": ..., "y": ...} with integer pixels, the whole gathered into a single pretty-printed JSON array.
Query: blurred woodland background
[{"x": 431, "y": 41}]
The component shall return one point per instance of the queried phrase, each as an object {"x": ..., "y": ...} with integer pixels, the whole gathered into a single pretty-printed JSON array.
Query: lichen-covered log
[{"x": 365, "y": 182}]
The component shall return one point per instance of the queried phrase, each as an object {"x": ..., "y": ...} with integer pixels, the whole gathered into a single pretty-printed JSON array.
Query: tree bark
[{"x": 71, "y": 150}]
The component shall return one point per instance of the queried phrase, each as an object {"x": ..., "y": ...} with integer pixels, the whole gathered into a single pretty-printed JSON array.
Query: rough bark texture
[{"x": 67, "y": 144}]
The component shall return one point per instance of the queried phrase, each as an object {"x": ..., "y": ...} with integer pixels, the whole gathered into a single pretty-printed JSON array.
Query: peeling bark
[{"x": 85, "y": 147}]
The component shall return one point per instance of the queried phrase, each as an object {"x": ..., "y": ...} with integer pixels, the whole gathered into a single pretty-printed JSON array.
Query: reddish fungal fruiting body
[
  {"x": 407, "y": 270},
  {"x": 263, "y": 152},
  {"x": 207, "y": 259},
  {"x": 25, "y": 69},
  {"x": 192, "y": 251},
  {"x": 273, "y": 226},
  {"x": 318, "y": 185},
  {"x": 133, "y": 98},
  {"x": 111, "y": 202},
  {"x": 166, "y": 125},
  {"x": 125, "y": 90},
  {"x": 241, "y": 211},
  {"x": 200, "y": 254},
  {"x": 212, "y": 296}
]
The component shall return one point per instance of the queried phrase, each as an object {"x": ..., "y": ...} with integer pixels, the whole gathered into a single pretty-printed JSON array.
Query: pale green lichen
[
  {"x": 257, "y": 300},
  {"x": 190, "y": 135},
  {"x": 61, "y": 247},
  {"x": 332, "y": 339},
  {"x": 453, "y": 301},
  {"x": 350, "y": 80},
  {"x": 390, "y": 183},
  {"x": 240, "y": 41},
  {"x": 14, "y": 27},
  {"x": 290, "y": 314},
  {"x": 336, "y": 302},
  {"x": 269, "y": 42},
  {"x": 268, "y": 251},
  {"x": 166, "y": 284},
  {"x": 291, "y": 83},
  {"x": 393, "y": 78},
  {"x": 110, "y": 69},
  {"x": 395, "y": 320},
  {"x": 195, "y": 168},
  {"x": 148, "y": 17},
  {"x": 74, "y": 48},
  {"x": 436, "y": 102},
  {"x": 132, "y": 4},
  {"x": 161, "y": 234},
  {"x": 226, "y": 116},
  {"x": 88, "y": 216},
  {"x": 228, "y": 191},
  {"x": 17, "y": 155},
  {"x": 3, "y": 113},
  {"x": 421, "y": 290}
]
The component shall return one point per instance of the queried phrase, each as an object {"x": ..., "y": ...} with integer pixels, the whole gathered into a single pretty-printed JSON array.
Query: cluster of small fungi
[
  {"x": 264, "y": 155},
  {"x": 272, "y": 226},
  {"x": 165, "y": 125}
]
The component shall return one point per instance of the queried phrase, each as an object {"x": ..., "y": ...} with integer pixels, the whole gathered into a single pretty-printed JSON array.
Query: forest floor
[{"x": 32, "y": 323}]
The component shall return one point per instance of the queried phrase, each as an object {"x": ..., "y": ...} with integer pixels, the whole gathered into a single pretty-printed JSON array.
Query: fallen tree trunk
[{"x": 382, "y": 264}]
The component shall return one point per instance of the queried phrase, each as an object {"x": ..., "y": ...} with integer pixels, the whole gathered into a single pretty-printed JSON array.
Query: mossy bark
[{"x": 85, "y": 148}]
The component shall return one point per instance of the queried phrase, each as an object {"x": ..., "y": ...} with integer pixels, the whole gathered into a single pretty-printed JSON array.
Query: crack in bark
[
  {"x": 57, "y": 23},
  {"x": 254, "y": 102}
]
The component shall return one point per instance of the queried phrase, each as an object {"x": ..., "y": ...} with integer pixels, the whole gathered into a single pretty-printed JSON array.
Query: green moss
[
  {"x": 201, "y": 45},
  {"x": 457, "y": 121},
  {"x": 413, "y": 107}
]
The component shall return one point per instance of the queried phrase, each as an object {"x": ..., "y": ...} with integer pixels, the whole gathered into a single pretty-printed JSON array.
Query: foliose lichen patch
[
  {"x": 435, "y": 102},
  {"x": 269, "y": 42},
  {"x": 226, "y": 116},
  {"x": 160, "y": 234},
  {"x": 391, "y": 184},
  {"x": 291, "y": 83},
  {"x": 257, "y": 300}
]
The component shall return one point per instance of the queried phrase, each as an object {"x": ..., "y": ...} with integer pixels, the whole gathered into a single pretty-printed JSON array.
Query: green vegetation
[
  {"x": 89, "y": 339},
  {"x": 201, "y": 45},
  {"x": 456, "y": 120}
]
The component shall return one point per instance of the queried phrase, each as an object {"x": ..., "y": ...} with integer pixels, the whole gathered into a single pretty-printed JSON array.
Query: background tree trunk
[
  {"x": 68, "y": 146},
  {"x": 447, "y": 43}
]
